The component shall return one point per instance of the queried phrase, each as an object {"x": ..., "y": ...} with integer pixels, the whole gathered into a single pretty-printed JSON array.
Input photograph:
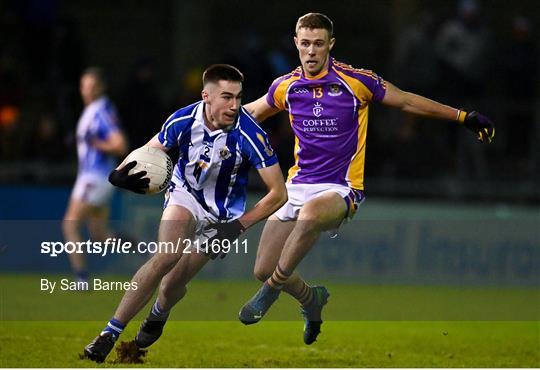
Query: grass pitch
[
  {"x": 366, "y": 326},
  {"x": 279, "y": 344}
]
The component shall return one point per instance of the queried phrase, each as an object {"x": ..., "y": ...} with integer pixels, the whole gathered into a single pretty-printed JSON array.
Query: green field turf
[
  {"x": 367, "y": 326},
  {"x": 279, "y": 344}
]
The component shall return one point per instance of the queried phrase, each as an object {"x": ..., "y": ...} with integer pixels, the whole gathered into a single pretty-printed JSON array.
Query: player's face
[
  {"x": 90, "y": 88},
  {"x": 314, "y": 47},
  {"x": 223, "y": 101}
]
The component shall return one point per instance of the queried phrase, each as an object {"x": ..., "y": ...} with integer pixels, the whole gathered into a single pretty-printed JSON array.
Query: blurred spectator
[
  {"x": 66, "y": 66},
  {"x": 39, "y": 66},
  {"x": 416, "y": 69},
  {"x": 260, "y": 68},
  {"x": 280, "y": 58},
  {"x": 47, "y": 141},
  {"x": 463, "y": 46},
  {"x": 11, "y": 89},
  {"x": 187, "y": 90},
  {"x": 520, "y": 73},
  {"x": 416, "y": 64},
  {"x": 254, "y": 63},
  {"x": 140, "y": 105},
  {"x": 11, "y": 133},
  {"x": 39, "y": 17},
  {"x": 11, "y": 94}
]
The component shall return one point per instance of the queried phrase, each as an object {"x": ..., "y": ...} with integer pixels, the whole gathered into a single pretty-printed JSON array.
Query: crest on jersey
[
  {"x": 335, "y": 90},
  {"x": 267, "y": 149},
  {"x": 317, "y": 109},
  {"x": 224, "y": 153}
]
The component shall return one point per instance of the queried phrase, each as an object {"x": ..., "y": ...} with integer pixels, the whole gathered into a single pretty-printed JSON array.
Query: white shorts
[
  {"x": 93, "y": 189},
  {"x": 177, "y": 195},
  {"x": 299, "y": 194}
]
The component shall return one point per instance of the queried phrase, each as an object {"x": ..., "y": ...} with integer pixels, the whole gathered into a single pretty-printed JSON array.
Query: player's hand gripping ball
[{"x": 146, "y": 170}]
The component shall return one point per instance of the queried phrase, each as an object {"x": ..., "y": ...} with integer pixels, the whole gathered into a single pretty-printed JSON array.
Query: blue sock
[
  {"x": 159, "y": 312},
  {"x": 81, "y": 275},
  {"x": 114, "y": 327}
]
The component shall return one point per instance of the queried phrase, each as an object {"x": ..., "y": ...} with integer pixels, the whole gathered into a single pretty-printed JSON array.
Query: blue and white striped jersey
[
  {"x": 98, "y": 120},
  {"x": 214, "y": 165}
]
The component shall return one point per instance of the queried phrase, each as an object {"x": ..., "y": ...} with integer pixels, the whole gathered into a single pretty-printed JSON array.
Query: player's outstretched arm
[
  {"x": 260, "y": 109},
  {"x": 274, "y": 198},
  {"x": 408, "y": 102}
]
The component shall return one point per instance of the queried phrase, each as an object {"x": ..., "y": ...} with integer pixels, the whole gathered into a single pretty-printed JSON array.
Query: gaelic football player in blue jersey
[
  {"x": 218, "y": 142},
  {"x": 328, "y": 104},
  {"x": 100, "y": 142}
]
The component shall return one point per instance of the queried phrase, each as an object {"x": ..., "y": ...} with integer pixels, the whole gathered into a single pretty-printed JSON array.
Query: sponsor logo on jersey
[
  {"x": 317, "y": 109},
  {"x": 320, "y": 125},
  {"x": 320, "y": 122}
]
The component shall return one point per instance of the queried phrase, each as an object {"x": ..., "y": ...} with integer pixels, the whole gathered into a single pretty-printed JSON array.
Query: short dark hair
[
  {"x": 315, "y": 20},
  {"x": 222, "y": 72},
  {"x": 98, "y": 74}
]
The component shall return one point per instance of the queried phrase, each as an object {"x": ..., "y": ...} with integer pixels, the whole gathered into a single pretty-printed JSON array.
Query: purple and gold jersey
[{"x": 329, "y": 116}]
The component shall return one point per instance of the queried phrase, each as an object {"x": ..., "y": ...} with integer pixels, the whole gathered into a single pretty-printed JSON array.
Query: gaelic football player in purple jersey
[{"x": 328, "y": 103}]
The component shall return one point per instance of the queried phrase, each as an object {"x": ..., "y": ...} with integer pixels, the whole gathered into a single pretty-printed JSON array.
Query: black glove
[
  {"x": 224, "y": 231},
  {"x": 481, "y": 125},
  {"x": 134, "y": 182}
]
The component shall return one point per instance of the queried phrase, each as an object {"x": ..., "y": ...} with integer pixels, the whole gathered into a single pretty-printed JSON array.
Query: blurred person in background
[
  {"x": 100, "y": 142},
  {"x": 519, "y": 74},
  {"x": 463, "y": 46},
  {"x": 48, "y": 142},
  {"x": 140, "y": 104},
  {"x": 416, "y": 68},
  {"x": 64, "y": 71}
]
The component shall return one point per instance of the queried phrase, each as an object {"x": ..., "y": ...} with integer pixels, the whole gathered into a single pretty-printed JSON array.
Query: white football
[{"x": 156, "y": 163}]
